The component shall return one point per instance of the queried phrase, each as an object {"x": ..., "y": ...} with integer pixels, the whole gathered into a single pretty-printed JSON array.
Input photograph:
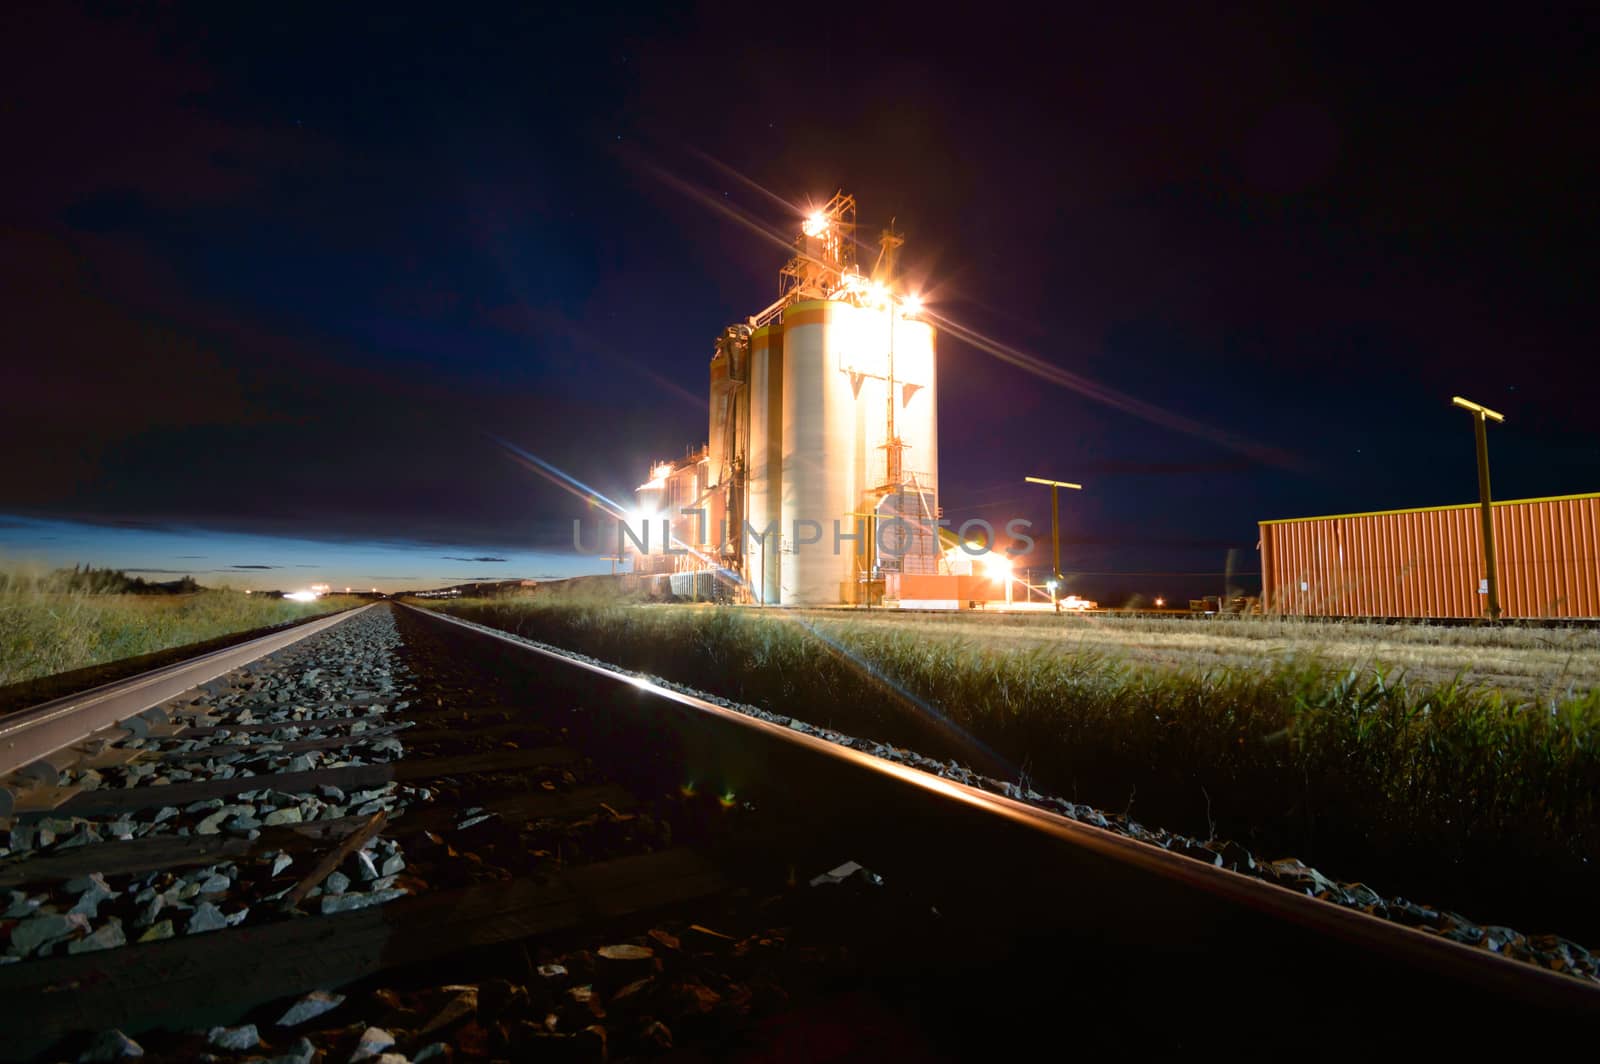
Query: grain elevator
[{"x": 818, "y": 484}]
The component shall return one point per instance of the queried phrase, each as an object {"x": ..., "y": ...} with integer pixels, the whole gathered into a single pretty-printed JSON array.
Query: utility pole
[
  {"x": 1055, "y": 529},
  {"x": 1480, "y": 419}
]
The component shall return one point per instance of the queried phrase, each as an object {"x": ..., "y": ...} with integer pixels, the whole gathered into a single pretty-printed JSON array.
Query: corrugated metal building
[{"x": 1429, "y": 562}]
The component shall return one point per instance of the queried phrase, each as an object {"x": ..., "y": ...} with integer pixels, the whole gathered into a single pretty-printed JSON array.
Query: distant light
[
  {"x": 816, "y": 224},
  {"x": 347, "y": 591},
  {"x": 1161, "y": 601},
  {"x": 247, "y": 591},
  {"x": 302, "y": 596},
  {"x": 1051, "y": 584}
]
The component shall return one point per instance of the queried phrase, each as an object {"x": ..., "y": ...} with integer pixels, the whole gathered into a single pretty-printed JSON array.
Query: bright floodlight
[
  {"x": 301, "y": 596},
  {"x": 913, "y": 304},
  {"x": 997, "y": 565},
  {"x": 1051, "y": 584},
  {"x": 816, "y": 224}
]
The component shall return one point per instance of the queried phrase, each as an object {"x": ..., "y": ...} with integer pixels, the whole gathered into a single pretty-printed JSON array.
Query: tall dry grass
[
  {"x": 45, "y": 629},
  {"x": 1534, "y": 663}
]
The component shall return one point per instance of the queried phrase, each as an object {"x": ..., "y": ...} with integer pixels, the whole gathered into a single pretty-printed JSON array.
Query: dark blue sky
[{"x": 286, "y": 274}]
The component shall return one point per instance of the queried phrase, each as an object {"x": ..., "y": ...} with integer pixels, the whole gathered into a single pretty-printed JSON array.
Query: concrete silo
[{"x": 822, "y": 462}]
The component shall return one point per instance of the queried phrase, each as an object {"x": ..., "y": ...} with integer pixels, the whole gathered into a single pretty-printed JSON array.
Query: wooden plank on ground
[
  {"x": 435, "y": 717},
  {"x": 332, "y": 859},
  {"x": 120, "y": 856},
  {"x": 216, "y": 727},
  {"x": 442, "y": 716},
  {"x": 214, "y": 978},
  {"x": 122, "y": 800},
  {"x": 206, "y": 708},
  {"x": 558, "y": 805},
  {"x": 151, "y": 853},
  {"x": 43, "y": 798},
  {"x": 112, "y": 757},
  {"x": 291, "y": 746},
  {"x": 437, "y": 734}
]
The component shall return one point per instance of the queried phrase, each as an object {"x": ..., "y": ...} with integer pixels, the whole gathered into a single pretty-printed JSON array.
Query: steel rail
[
  {"x": 39, "y": 731},
  {"x": 1330, "y": 922}
]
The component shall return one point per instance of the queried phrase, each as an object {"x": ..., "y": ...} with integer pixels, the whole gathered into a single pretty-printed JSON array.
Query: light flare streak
[
  {"x": 1105, "y": 394},
  {"x": 594, "y": 498}
]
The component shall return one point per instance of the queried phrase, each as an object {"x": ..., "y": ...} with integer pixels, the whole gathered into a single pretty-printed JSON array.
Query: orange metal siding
[
  {"x": 1428, "y": 563},
  {"x": 943, "y": 586}
]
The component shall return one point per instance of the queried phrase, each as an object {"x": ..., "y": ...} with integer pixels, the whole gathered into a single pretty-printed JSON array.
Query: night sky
[{"x": 275, "y": 286}]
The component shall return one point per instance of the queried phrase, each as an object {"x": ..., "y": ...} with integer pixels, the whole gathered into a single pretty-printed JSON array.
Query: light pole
[
  {"x": 762, "y": 601},
  {"x": 1480, "y": 418},
  {"x": 1055, "y": 529}
]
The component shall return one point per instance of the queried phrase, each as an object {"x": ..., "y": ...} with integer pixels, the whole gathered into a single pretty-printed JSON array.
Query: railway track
[{"x": 402, "y": 833}]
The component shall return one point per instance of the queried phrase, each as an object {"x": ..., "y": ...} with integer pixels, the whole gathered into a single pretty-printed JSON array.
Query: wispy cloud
[
  {"x": 452, "y": 558},
  {"x": 257, "y": 567}
]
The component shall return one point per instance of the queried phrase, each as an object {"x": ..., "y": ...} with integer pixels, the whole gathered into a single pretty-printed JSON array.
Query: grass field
[
  {"x": 1530, "y": 663},
  {"x": 45, "y": 630},
  {"x": 1463, "y": 763}
]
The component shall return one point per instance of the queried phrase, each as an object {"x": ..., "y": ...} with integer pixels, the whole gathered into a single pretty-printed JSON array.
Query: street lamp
[
  {"x": 1480, "y": 418},
  {"x": 1055, "y": 528}
]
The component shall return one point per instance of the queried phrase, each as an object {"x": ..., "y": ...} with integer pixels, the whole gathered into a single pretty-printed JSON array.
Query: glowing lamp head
[
  {"x": 815, "y": 225},
  {"x": 1051, "y": 584},
  {"x": 998, "y": 566},
  {"x": 301, "y": 596},
  {"x": 912, "y": 304}
]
